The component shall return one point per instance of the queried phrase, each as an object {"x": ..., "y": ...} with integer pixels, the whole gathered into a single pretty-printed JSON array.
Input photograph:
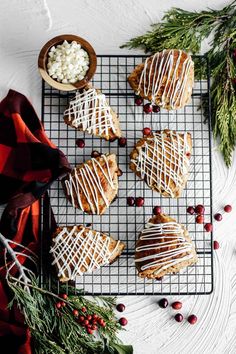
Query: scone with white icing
[
  {"x": 166, "y": 79},
  {"x": 89, "y": 111},
  {"x": 163, "y": 247},
  {"x": 76, "y": 250},
  {"x": 93, "y": 185},
  {"x": 162, "y": 160}
]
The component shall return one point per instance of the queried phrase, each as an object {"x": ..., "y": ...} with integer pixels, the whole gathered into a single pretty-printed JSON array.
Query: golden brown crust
[
  {"x": 111, "y": 134},
  {"x": 150, "y": 272},
  {"x": 109, "y": 191},
  {"x": 134, "y": 78},
  {"x": 115, "y": 247},
  {"x": 176, "y": 190}
]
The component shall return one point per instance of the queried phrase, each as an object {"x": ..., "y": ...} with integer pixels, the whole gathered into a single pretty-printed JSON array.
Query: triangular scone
[
  {"x": 162, "y": 160},
  {"x": 89, "y": 111},
  {"x": 163, "y": 247},
  {"x": 77, "y": 250},
  {"x": 165, "y": 79},
  {"x": 93, "y": 185}
]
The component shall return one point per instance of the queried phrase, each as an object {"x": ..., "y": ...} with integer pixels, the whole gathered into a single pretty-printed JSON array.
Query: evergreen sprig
[
  {"x": 57, "y": 331},
  {"x": 180, "y": 29}
]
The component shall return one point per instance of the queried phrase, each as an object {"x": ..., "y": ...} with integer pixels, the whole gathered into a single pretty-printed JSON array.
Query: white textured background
[{"x": 25, "y": 25}]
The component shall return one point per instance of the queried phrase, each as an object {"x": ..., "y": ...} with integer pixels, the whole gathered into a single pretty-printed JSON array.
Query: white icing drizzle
[
  {"x": 162, "y": 65},
  {"x": 152, "y": 161},
  {"x": 164, "y": 235},
  {"x": 90, "y": 111},
  {"x": 74, "y": 250},
  {"x": 86, "y": 181}
]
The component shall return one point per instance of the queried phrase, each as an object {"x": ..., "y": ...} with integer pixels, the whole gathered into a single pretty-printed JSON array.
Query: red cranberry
[
  {"x": 123, "y": 321},
  {"x": 156, "y": 210},
  {"x": 75, "y": 312},
  {"x": 216, "y": 245},
  {"x": 86, "y": 322},
  {"x": 122, "y": 142},
  {"x": 89, "y": 317},
  {"x": 200, "y": 219},
  {"x": 138, "y": 101},
  {"x": 130, "y": 201},
  {"x": 58, "y": 305},
  {"x": 179, "y": 317},
  {"x": 139, "y": 202},
  {"x": 146, "y": 131},
  {"x": 192, "y": 319},
  {"x": 190, "y": 210},
  {"x": 95, "y": 154},
  {"x": 218, "y": 217},
  {"x": 63, "y": 304},
  {"x": 228, "y": 208},
  {"x": 63, "y": 296},
  {"x": 147, "y": 108},
  {"x": 95, "y": 316},
  {"x": 163, "y": 303},
  {"x": 177, "y": 305},
  {"x": 89, "y": 331},
  {"x": 83, "y": 309},
  {"x": 100, "y": 320},
  {"x": 80, "y": 143},
  {"x": 199, "y": 209},
  {"x": 81, "y": 318},
  {"x": 208, "y": 227},
  {"x": 156, "y": 109},
  {"x": 120, "y": 307},
  {"x": 103, "y": 324},
  {"x": 94, "y": 327}
]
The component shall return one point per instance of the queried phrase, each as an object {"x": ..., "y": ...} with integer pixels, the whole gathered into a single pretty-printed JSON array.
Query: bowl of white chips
[{"x": 67, "y": 62}]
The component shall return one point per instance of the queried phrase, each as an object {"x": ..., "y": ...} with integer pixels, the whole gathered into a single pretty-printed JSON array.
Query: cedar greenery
[
  {"x": 186, "y": 30},
  {"x": 56, "y": 331}
]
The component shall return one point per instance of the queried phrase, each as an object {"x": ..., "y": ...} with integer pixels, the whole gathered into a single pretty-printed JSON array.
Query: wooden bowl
[{"x": 43, "y": 59}]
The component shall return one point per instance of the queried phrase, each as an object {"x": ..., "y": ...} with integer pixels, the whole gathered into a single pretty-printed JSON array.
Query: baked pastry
[
  {"x": 162, "y": 160},
  {"x": 163, "y": 247},
  {"x": 77, "y": 250},
  {"x": 93, "y": 185},
  {"x": 89, "y": 111},
  {"x": 166, "y": 79}
]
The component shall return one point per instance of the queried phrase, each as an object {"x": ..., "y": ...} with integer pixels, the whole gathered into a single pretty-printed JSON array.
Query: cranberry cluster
[
  {"x": 177, "y": 305},
  {"x": 148, "y": 107},
  {"x": 121, "y": 308},
  {"x": 139, "y": 201}
]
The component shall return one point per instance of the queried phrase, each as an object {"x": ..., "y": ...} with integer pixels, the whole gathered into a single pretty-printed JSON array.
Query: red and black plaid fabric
[{"x": 29, "y": 162}]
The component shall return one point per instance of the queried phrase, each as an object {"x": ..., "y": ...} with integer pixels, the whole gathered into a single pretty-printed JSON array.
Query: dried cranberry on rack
[
  {"x": 122, "y": 142},
  {"x": 138, "y": 101},
  {"x": 157, "y": 210},
  {"x": 190, "y": 210},
  {"x": 228, "y": 208},
  {"x": 200, "y": 219},
  {"x": 123, "y": 321},
  {"x": 200, "y": 209},
  {"x": 130, "y": 201},
  {"x": 163, "y": 303},
  {"x": 120, "y": 307},
  {"x": 177, "y": 305},
  {"x": 216, "y": 245},
  {"x": 218, "y": 217},
  {"x": 80, "y": 143},
  {"x": 192, "y": 319},
  {"x": 147, "y": 108},
  {"x": 156, "y": 109},
  {"x": 208, "y": 227},
  {"x": 139, "y": 202},
  {"x": 179, "y": 317},
  {"x": 146, "y": 131}
]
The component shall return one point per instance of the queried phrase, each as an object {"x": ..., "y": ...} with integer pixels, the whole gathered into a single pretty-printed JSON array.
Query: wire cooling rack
[{"x": 121, "y": 221}]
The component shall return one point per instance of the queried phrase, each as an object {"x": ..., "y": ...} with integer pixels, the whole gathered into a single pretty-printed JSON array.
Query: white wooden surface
[{"x": 25, "y": 25}]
